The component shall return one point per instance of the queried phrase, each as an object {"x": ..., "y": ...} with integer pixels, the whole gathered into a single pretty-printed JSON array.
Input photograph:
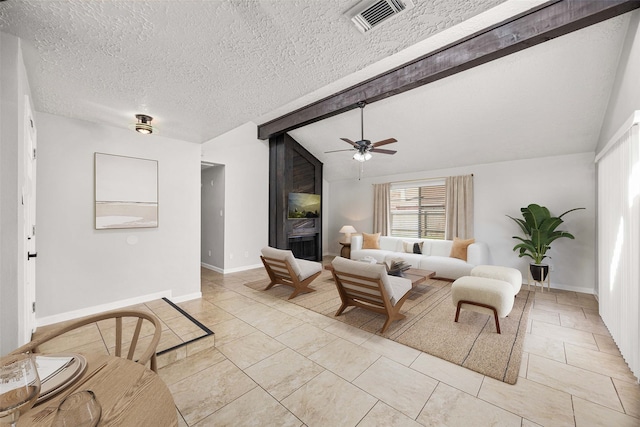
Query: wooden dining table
[{"x": 130, "y": 395}]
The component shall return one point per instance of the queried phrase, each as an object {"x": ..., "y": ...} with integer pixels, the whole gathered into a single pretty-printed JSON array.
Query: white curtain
[
  {"x": 459, "y": 207},
  {"x": 619, "y": 243},
  {"x": 381, "y": 209}
]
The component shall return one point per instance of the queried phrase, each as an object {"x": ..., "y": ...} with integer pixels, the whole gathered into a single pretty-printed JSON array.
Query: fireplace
[{"x": 304, "y": 246}]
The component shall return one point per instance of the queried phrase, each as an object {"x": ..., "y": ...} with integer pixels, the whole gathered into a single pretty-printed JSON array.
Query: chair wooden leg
[
  {"x": 270, "y": 285},
  {"x": 386, "y": 324},
  {"x": 341, "y": 309}
]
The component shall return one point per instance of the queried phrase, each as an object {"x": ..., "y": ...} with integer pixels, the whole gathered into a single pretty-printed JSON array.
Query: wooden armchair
[
  {"x": 121, "y": 339},
  {"x": 284, "y": 269},
  {"x": 368, "y": 286}
]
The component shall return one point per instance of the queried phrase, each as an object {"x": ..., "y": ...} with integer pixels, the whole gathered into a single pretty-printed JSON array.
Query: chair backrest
[
  {"x": 282, "y": 255},
  {"x": 121, "y": 338},
  {"x": 362, "y": 281}
]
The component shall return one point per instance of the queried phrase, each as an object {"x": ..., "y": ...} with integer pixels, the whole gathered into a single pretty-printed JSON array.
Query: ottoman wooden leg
[{"x": 495, "y": 312}]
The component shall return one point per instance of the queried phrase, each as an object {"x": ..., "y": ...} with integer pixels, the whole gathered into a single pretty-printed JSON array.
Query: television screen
[{"x": 302, "y": 205}]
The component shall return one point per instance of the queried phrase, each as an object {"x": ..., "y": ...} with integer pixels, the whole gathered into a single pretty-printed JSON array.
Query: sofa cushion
[
  {"x": 446, "y": 267},
  {"x": 459, "y": 248},
  {"x": 370, "y": 241},
  {"x": 440, "y": 247},
  {"x": 378, "y": 254}
]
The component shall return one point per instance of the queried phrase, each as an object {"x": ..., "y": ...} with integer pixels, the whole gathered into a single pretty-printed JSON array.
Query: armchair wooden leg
[
  {"x": 294, "y": 293},
  {"x": 341, "y": 309},
  {"x": 391, "y": 318}
]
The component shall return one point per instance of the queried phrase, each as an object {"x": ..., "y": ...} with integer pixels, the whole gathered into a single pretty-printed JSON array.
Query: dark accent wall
[{"x": 292, "y": 169}]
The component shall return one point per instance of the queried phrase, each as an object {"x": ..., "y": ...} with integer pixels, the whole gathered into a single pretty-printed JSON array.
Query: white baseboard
[
  {"x": 212, "y": 267},
  {"x": 580, "y": 289},
  {"x": 75, "y": 314},
  {"x": 188, "y": 297},
  {"x": 230, "y": 270},
  {"x": 244, "y": 268}
]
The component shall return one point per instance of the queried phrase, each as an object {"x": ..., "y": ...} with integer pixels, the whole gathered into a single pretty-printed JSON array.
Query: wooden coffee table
[{"x": 417, "y": 276}]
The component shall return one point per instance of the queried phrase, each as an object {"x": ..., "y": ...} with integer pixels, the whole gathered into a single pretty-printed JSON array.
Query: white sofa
[{"x": 434, "y": 257}]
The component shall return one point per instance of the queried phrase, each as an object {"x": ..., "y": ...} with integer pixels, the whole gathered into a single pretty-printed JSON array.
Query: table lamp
[{"x": 347, "y": 230}]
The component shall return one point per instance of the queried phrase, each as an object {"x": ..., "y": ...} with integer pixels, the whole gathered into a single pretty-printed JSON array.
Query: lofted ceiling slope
[{"x": 547, "y": 100}]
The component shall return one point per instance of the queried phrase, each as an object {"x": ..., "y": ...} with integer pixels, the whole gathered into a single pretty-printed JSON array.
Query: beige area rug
[{"x": 430, "y": 327}]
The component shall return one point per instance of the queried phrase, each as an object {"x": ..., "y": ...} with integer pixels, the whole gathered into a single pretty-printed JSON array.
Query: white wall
[
  {"x": 625, "y": 95},
  {"x": 83, "y": 270},
  {"x": 559, "y": 183},
  {"x": 14, "y": 86},
  {"x": 246, "y": 216},
  {"x": 211, "y": 219}
]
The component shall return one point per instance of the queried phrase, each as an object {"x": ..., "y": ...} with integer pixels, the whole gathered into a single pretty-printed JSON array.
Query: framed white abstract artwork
[{"x": 126, "y": 192}]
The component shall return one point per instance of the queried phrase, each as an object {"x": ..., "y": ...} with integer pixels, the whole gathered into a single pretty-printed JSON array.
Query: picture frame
[{"x": 126, "y": 192}]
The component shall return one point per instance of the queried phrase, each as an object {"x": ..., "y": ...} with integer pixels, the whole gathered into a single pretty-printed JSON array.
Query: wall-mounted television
[{"x": 303, "y": 205}]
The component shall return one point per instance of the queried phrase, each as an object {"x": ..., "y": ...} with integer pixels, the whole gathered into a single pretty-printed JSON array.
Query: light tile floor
[{"x": 277, "y": 364}]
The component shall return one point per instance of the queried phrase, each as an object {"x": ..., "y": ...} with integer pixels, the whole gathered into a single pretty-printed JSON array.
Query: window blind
[
  {"x": 418, "y": 212},
  {"x": 619, "y": 243}
]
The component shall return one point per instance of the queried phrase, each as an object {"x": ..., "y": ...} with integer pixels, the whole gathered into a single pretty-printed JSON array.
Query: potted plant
[{"x": 540, "y": 231}]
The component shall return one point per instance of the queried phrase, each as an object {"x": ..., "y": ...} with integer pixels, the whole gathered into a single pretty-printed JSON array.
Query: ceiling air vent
[{"x": 369, "y": 13}]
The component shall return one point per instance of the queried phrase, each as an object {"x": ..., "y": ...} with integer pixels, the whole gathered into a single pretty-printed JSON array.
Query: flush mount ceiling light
[{"x": 144, "y": 124}]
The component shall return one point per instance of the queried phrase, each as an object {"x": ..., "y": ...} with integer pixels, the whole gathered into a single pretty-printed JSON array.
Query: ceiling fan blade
[
  {"x": 335, "y": 151},
  {"x": 382, "y": 151},
  {"x": 347, "y": 140},
  {"x": 384, "y": 142}
]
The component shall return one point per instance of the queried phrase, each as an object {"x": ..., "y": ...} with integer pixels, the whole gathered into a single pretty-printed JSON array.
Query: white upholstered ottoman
[
  {"x": 506, "y": 274},
  {"x": 483, "y": 295}
]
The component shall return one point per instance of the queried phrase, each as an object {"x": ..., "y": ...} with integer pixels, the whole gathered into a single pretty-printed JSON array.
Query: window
[{"x": 419, "y": 210}]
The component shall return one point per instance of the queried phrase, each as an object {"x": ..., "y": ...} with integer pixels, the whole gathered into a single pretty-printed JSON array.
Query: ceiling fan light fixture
[
  {"x": 144, "y": 124},
  {"x": 362, "y": 157}
]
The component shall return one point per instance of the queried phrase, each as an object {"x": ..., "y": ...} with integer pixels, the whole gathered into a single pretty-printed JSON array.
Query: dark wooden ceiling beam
[{"x": 518, "y": 33}]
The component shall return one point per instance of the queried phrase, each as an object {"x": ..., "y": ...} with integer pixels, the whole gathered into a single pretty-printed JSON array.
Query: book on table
[{"x": 397, "y": 266}]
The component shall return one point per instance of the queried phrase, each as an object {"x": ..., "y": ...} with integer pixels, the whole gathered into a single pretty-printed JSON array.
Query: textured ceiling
[{"x": 201, "y": 68}]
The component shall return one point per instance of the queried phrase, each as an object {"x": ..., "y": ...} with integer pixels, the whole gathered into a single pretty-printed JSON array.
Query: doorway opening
[{"x": 212, "y": 216}]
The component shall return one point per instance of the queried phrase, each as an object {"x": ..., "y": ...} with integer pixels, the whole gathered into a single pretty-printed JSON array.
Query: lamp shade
[{"x": 347, "y": 229}]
